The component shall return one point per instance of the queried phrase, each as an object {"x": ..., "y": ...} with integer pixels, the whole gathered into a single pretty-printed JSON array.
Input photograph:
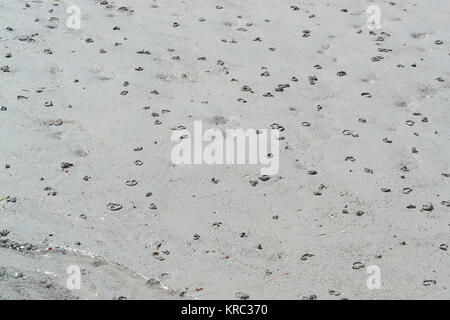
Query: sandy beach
[{"x": 91, "y": 92}]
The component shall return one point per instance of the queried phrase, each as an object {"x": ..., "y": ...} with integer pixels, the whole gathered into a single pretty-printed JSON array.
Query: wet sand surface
[{"x": 86, "y": 176}]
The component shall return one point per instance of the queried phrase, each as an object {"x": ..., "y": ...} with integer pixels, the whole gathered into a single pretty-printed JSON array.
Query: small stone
[
  {"x": 131, "y": 183},
  {"x": 407, "y": 190},
  {"x": 427, "y": 283},
  {"x": 311, "y": 297},
  {"x": 214, "y": 180},
  {"x": 334, "y": 293},
  {"x": 358, "y": 265},
  {"x": 114, "y": 206},
  {"x": 66, "y": 165},
  {"x": 306, "y": 256},
  {"x": 4, "y": 233},
  {"x": 242, "y": 296}
]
